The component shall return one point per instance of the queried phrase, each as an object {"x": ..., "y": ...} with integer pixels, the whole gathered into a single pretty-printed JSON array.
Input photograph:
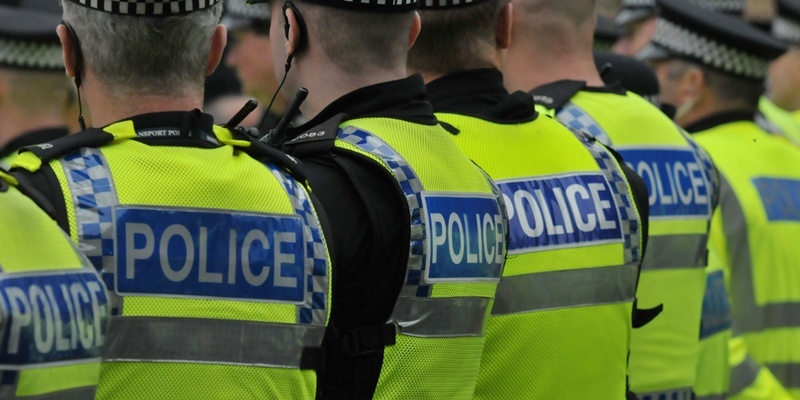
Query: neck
[
  {"x": 18, "y": 122},
  {"x": 705, "y": 109},
  {"x": 107, "y": 109},
  {"x": 324, "y": 89},
  {"x": 533, "y": 63}
]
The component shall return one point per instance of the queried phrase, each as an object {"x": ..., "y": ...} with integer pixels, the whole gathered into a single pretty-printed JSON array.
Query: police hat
[
  {"x": 635, "y": 11},
  {"x": 606, "y": 34},
  {"x": 28, "y": 39},
  {"x": 446, "y": 4},
  {"x": 147, "y": 8},
  {"x": 786, "y": 25},
  {"x": 716, "y": 40},
  {"x": 240, "y": 15},
  {"x": 381, "y": 6},
  {"x": 733, "y": 7}
]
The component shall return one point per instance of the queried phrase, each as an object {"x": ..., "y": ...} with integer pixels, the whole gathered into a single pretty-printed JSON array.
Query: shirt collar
[{"x": 720, "y": 118}]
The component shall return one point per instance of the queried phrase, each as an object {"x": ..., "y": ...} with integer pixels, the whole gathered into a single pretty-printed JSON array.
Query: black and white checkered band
[
  {"x": 786, "y": 29},
  {"x": 438, "y": 4},
  {"x": 726, "y": 6},
  {"x": 638, "y": 3},
  {"x": 147, "y": 8},
  {"x": 31, "y": 55},
  {"x": 240, "y": 9},
  {"x": 710, "y": 52}
]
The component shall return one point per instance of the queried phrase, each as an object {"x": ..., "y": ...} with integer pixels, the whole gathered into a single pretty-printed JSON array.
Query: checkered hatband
[
  {"x": 726, "y": 6},
  {"x": 147, "y": 8},
  {"x": 30, "y": 54},
  {"x": 786, "y": 29},
  {"x": 709, "y": 51},
  {"x": 638, "y": 3}
]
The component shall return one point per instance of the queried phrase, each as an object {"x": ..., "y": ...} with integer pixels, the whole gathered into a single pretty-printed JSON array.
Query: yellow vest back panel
[
  {"x": 456, "y": 258},
  {"x": 760, "y": 222},
  {"x": 562, "y": 318}
]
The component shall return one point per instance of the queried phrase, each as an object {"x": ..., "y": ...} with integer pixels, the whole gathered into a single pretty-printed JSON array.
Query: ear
[
  {"x": 693, "y": 82},
  {"x": 416, "y": 27},
  {"x": 504, "y": 25},
  {"x": 218, "y": 42},
  {"x": 294, "y": 32},
  {"x": 67, "y": 49}
]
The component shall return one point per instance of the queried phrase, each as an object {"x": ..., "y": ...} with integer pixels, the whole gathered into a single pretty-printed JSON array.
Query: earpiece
[
  {"x": 78, "y": 54},
  {"x": 301, "y": 41}
]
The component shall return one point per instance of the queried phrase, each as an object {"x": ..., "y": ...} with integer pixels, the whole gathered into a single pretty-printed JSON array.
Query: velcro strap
[
  {"x": 368, "y": 340},
  {"x": 555, "y": 95},
  {"x": 642, "y": 317},
  {"x": 59, "y": 147}
]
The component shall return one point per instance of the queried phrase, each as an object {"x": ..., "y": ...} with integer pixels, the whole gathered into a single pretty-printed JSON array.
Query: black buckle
[{"x": 362, "y": 341}]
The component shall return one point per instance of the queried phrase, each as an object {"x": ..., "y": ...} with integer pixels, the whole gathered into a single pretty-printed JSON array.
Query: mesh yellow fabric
[
  {"x": 577, "y": 353},
  {"x": 20, "y": 220},
  {"x": 172, "y": 381},
  {"x": 48, "y": 380},
  {"x": 418, "y": 368},
  {"x": 408, "y": 374},
  {"x": 743, "y": 152},
  {"x": 220, "y": 179}
]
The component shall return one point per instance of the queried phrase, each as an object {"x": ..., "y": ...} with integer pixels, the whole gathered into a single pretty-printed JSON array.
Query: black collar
[
  {"x": 611, "y": 88},
  {"x": 480, "y": 92},
  {"x": 720, "y": 118},
  {"x": 33, "y": 137},
  {"x": 402, "y": 99},
  {"x": 181, "y": 128}
]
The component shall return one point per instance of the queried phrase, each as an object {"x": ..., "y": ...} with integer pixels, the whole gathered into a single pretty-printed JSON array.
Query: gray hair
[{"x": 161, "y": 56}]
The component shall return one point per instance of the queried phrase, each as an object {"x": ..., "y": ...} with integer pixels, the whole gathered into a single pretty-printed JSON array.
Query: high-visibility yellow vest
[
  {"x": 561, "y": 322},
  {"x": 456, "y": 257},
  {"x": 679, "y": 177},
  {"x": 53, "y": 306},
  {"x": 759, "y": 218},
  {"x": 786, "y": 122},
  {"x": 218, "y": 261}
]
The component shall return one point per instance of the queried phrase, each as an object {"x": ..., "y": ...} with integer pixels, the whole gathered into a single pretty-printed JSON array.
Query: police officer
[
  {"x": 35, "y": 96},
  {"x": 781, "y": 104},
  {"x": 715, "y": 65},
  {"x": 217, "y": 259},
  {"x": 561, "y": 321},
  {"x": 420, "y": 233},
  {"x": 54, "y": 306},
  {"x": 679, "y": 177},
  {"x": 250, "y": 55}
]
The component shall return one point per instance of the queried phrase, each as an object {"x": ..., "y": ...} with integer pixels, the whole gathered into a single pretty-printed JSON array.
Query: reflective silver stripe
[
  {"x": 565, "y": 289},
  {"x": 675, "y": 394},
  {"x": 212, "y": 341},
  {"x": 749, "y": 316},
  {"x": 744, "y": 375},
  {"x": 675, "y": 251},
  {"x": 81, "y": 393},
  {"x": 441, "y": 317},
  {"x": 788, "y": 374}
]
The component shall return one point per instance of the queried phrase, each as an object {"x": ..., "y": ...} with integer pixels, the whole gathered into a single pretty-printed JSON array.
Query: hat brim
[
  {"x": 653, "y": 52},
  {"x": 632, "y": 16}
]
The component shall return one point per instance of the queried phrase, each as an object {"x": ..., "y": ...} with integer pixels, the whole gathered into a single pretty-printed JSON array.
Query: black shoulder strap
[
  {"x": 320, "y": 139},
  {"x": 51, "y": 150},
  {"x": 260, "y": 151},
  {"x": 556, "y": 94}
]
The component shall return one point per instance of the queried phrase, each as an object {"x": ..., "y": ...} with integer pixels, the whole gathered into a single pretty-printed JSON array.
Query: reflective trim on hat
[
  {"x": 638, "y": 3},
  {"x": 442, "y": 4},
  {"x": 147, "y": 8},
  {"x": 786, "y": 29},
  {"x": 30, "y": 55},
  {"x": 683, "y": 42},
  {"x": 726, "y": 6},
  {"x": 634, "y": 15}
]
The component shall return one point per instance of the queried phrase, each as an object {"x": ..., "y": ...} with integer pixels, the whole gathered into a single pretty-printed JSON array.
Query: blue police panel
[
  {"x": 50, "y": 318},
  {"x": 466, "y": 237},
  {"x": 569, "y": 210},
  {"x": 716, "y": 306},
  {"x": 206, "y": 254},
  {"x": 781, "y": 198},
  {"x": 676, "y": 180}
]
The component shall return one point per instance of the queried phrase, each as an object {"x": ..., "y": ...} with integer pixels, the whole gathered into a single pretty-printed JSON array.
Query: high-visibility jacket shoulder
[
  {"x": 53, "y": 304},
  {"x": 218, "y": 266},
  {"x": 456, "y": 255},
  {"x": 758, "y": 218},
  {"x": 783, "y": 123},
  {"x": 681, "y": 181},
  {"x": 561, "y": 322}
]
